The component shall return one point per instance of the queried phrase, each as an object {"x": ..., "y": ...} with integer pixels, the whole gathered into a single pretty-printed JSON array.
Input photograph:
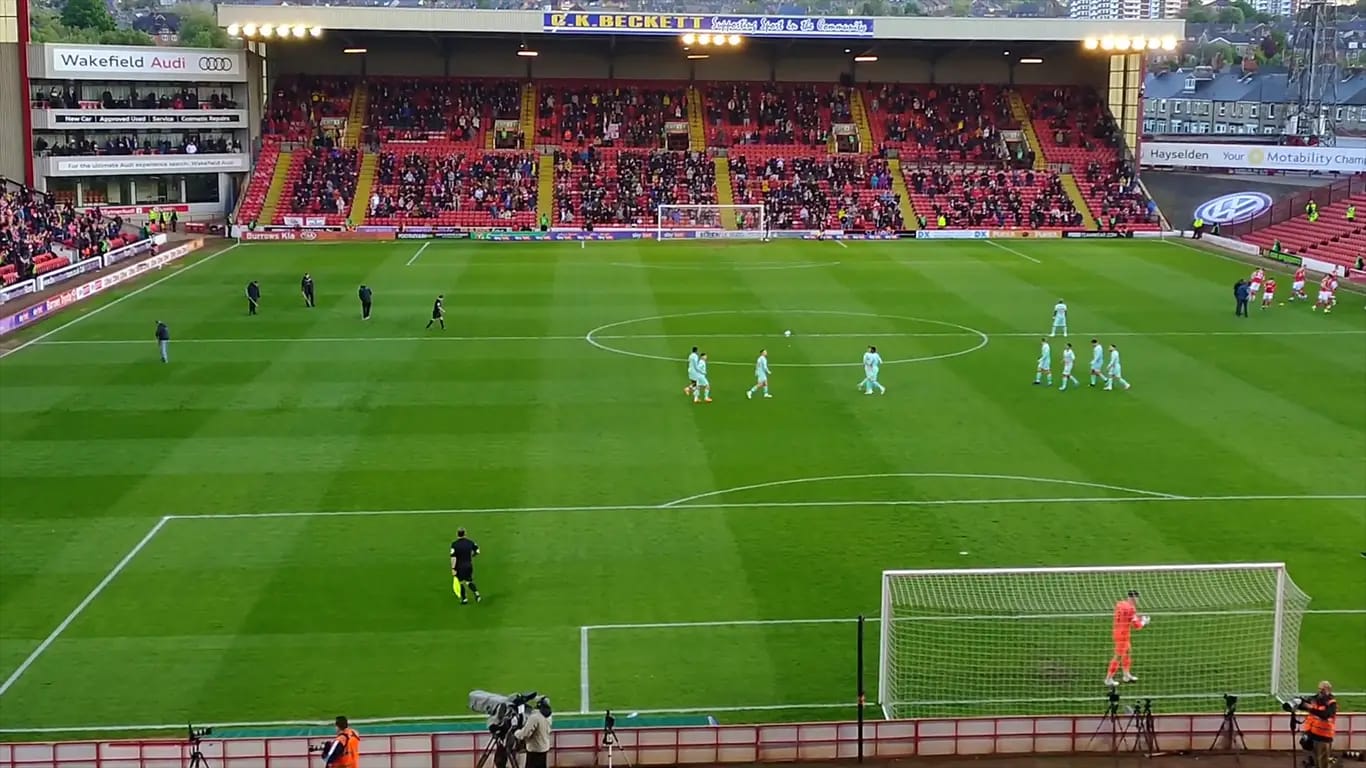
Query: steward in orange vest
[
  {"x": 344, "y": 751},
  {"x": 1320, "y": 724}
]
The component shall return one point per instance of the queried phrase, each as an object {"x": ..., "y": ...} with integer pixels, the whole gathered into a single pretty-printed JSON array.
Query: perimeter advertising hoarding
[
  {"x": 104, "y": 119},
  {"x": 1253, "y": 157},
  {"x": 113, "y": 165},
  {"x": 682, "y": 23}
]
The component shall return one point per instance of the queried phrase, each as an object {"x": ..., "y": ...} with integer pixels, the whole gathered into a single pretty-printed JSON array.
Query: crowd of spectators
[
  {"x": 184, "y": 98},
  {"x": 419, "y": 186},
  {"x": 1076, "y": 118},
  {"x": 1117, "y": 199},
  {"x": 807, "y": 193},
  {"x": 326, "y": 182},
  {"x": 598, "y": 189},
  {"x": 741, "y": 113},
  {"x": 32, "y": 224},
  {"x": 189, "y": 144},
  {"x": 418, "y": 109},
  {"x": 996, "y": 198},
  {"x": 946, "y": 122},
  {"x": 618, "y": 116},
  {"x": 299, "y": 104}
]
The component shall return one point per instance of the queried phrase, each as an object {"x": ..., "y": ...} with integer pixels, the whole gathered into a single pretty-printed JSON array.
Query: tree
[
  {"x": 873, "y": 8},
  {"x": 199, "y": 29},
  {"x": 1197, "y": 14},
  {"x": 46, "y": 26},
  {"x": 913, "y": 8},
  {"x": 87, "y": 14},
  {"x": 1231, "y": 15}
]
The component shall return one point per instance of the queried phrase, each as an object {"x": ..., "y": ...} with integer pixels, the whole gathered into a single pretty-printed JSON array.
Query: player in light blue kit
[
  {"x": 760, "y": 375},
  {"x": 1059, "y": 318},
  {"x": 1114, "y": 372},
  {"x": 692, "y": 372},
  {"x": 1069, "y": 359},
  {"x": 1097, "y": 361},
  {"x": 701, "y": 391},
  {"x": 1045, "y": 366},
  {"x": 872, "y": 362}
]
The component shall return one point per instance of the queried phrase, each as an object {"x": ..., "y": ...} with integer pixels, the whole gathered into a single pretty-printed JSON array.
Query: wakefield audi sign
[
  {"x": 57, "y": 61},
  {"x": 1253, "y": 157}
]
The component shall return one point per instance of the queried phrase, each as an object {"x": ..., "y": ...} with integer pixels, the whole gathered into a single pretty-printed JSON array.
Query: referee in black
[
  {"x": 463, "y": 551},
  {"x": 306, "y": 287},
  {"x": 438, "y": 312},
  {"x": 253, "y": 297}
]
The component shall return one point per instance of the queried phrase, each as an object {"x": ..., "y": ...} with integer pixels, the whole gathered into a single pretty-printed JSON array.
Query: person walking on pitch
[
  {"x": 438, "y": 312},
  {"x": 365, "y": 295},
  {"x": 253, "y": 297},
  {"x": 1114, "y": 372},
  {"x": 164, "y": 341},
  {"x": 760, "y": 375},
  {"x": 1069, "y": 358},
  {"x": 693, "y": 357},
  {"x": 1097, "y": 361},
  {"x": 1059, "y": 318},
  {"x": 1127, "y": 618},
  {"x": 306, "y": 288},
  {"x": 1045, "y": 365},
  {"x": 872, "y": 363},
  {"x": 701, "y": 391},
  {"x": 463, "y": 552}
]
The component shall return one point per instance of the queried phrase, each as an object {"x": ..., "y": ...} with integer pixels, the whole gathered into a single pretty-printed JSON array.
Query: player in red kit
[
  {"x": 1269, "y": 294},
  {"x": 1297, "y": 287},
  {"x": 1127, "y": 619},
  {"x": 1325, "y": 294},
  {"x": 1258, "y": 277}
]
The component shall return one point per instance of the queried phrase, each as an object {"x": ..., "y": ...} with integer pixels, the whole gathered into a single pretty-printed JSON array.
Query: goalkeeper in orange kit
[{"x": 1127, "y": 619}]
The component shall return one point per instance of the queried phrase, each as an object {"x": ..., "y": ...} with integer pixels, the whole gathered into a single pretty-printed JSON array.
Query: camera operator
[
  {"x": 535, "y": 734},
  {"x": 344, "y": 752},
  {"x": 1320, "y": 723}
]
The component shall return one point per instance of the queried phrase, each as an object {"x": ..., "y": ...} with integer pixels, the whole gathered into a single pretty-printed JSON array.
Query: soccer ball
[{"x": 788, "y": 334}]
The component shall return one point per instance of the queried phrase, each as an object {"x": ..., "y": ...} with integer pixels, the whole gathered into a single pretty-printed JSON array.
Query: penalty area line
[
  {"x": 1008, "y": 249},
  {"x": 75, "y": 612},
  {"x": 419, "y": 253}
]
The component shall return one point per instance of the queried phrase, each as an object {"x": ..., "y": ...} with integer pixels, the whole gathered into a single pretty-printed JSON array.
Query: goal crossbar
[{"x": 1037, "y": 640}]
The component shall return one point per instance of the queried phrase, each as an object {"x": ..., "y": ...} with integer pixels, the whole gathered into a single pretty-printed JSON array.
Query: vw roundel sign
[{"x": 1233, "y": 208}]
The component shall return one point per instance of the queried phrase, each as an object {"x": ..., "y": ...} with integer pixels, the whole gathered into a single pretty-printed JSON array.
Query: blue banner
[{"x": 682, "y": 23}]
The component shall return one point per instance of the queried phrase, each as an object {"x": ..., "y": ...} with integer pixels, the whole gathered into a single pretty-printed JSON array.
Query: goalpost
[
  {"x": 1039, "y": 640},
  {"x": 742, "y": 222}
]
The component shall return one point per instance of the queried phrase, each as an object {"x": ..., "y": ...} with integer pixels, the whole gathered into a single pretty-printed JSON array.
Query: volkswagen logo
[
  {"x": 1233, "y": 208},
  {"x": 215, "y": 64}
]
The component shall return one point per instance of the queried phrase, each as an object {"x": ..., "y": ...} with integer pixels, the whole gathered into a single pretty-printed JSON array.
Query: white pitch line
[
  {"x": 419, "y": 253},
  {"x": 70, "y": 617},
  {"x": 115, "y": 302},
  {"x": 583, "y": 669},
  {"x": 655, "y": 508},
  {"x": 840, "y": 243},
  {"x": 1008, "y": 249},
  {"x": 658, "y": 336}
]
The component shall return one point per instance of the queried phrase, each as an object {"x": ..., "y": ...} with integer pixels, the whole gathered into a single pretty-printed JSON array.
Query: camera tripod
[
  {"x": 1140, "y": 722},
  {"x": 610, "y": 741},
  {"x": 505, "y": 745},
  {"x": 1229, "y": 731},
  {"x": 197, "y": 758}
]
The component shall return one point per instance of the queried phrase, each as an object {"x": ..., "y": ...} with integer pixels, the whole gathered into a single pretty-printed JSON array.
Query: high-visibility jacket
[
  {"x": 350, "y": 744},
  {"x": 1321, "y": 722}
]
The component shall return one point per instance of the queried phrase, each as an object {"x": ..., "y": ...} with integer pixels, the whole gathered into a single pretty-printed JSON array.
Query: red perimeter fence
[
  {"x": 712, "y": 745},
  {"x": 1289, "y": 207}
]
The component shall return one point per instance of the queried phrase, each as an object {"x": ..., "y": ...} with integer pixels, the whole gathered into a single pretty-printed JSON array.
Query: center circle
[{"x": 592, "y": 337}]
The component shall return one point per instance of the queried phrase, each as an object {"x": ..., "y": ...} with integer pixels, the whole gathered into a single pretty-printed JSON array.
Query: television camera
[
  {"x": 195, "y": 737},
  {"x": 505, "y": 715}
]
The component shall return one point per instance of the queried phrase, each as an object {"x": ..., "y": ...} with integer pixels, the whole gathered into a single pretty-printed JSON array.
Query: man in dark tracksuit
[
  {"x": 306, "y": 286},
  {"x": 1241, "y": 290},
  {"x": 163, "y": 340},
  {"x": 365, "y": 295},
  {"x": 253, "y": 296}
]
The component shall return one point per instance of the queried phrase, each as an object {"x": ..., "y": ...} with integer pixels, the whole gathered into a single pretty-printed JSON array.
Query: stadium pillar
[
  {"x": 16, "y": 160},
  {"x": 1124, "y": 93}
]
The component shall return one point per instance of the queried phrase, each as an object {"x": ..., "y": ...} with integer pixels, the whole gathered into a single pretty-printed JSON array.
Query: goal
[
  {"x": 1039, "y": 640},
  {"x": 744, "y": 222}
]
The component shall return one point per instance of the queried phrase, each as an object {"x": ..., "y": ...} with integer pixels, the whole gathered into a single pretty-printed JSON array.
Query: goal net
[
  {"x": 729, "y": 221},
  {"x": 1040, "y": 640}
]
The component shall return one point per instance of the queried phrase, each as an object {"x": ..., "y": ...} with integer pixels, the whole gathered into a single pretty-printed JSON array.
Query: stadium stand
[
  {"x": 625, "y": 188},
  {"x": 945, "y": 123},
  {"x": 187, "y": 144},
  {"x": 796, "y": 117},
  {"x": 816, "y": 192},
  {"x": 35, "y": 229},
  {"x": 129, "y": 97},
  {"x": 1332, "y": 238},
  {"x": 427, "y": 185},
  {"x": 299, "y": 104},
  {"x": 458, "y": 113},
  {"x": 322, "y": 182},
  {"x": 610, "y": 115},
  {"x": 974, "y": 196}
]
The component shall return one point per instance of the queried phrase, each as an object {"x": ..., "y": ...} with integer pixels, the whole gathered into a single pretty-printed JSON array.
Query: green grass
[{"x": 557, "y": 456}]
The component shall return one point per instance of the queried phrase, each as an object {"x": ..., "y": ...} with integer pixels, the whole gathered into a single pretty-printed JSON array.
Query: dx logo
[{"x": 1233, "y": 208}]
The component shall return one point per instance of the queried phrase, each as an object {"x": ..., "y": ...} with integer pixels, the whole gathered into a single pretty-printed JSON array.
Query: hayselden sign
[
  {"x": 1254, "y": 157},
  {"x": 676, "y": 23},
  {"x": 122, "y": 62}
]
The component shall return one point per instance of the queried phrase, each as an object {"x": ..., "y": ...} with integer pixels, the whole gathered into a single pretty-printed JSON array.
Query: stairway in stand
[
  {"x": 545, "y": 186},
  {"x": 1021, "y": 115},
  {"x": 697, "y": 126},
  {"x": 360, "y": 204},
  {"x": 355, "y": 121},
  {"x": 860, "y": 115},
  {"x": 1069, "y": 184},
  {"x": 908, "y": 220},
  {"x": 725, "y": 193},
  {"x": 277, "y": 188},
  {"x": 528, "y": 127}
]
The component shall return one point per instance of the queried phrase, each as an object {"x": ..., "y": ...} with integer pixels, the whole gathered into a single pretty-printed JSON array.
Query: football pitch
[{"x": 258, "y": 530}]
